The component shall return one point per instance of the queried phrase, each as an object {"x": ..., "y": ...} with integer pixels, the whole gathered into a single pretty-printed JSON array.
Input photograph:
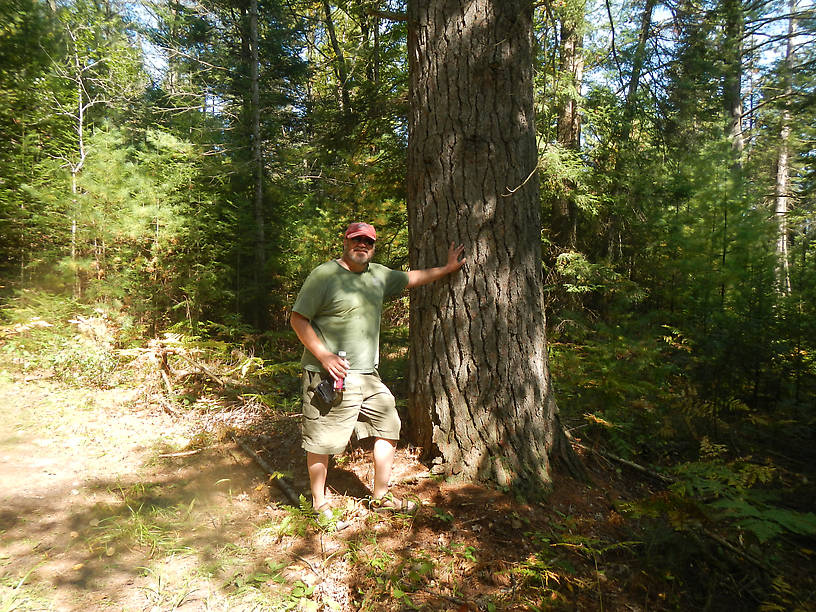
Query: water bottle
[{"x": 338, "y": 383}]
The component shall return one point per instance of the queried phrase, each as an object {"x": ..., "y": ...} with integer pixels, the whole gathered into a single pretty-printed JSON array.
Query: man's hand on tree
[{"x": 454, "y": 253}]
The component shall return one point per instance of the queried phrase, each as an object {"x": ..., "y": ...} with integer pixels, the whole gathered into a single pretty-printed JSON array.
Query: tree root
[{"x": 563, "y": 454}]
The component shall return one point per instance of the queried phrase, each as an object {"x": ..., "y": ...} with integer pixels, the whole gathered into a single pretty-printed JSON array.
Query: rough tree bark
[{"x": 480, "y": 390}]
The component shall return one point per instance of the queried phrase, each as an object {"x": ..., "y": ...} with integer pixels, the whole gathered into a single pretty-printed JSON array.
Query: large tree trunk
[{"x": 479, "y": 381}]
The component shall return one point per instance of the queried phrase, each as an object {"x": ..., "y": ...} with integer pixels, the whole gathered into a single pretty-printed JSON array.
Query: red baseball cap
[{"x": 361, "y": 229}]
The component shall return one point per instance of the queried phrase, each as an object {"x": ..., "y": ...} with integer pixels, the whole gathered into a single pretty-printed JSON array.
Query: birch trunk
[
  {"x": 782, "y": 164},
  {"x": 259, "y": 242},
  {"x": 732, "y": 85}
]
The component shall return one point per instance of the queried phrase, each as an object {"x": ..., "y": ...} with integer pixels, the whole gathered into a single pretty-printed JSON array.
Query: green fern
[{"x": 765, "y": 522}]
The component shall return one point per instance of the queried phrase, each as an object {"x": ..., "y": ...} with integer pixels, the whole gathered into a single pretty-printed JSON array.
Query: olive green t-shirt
[{"x": 345, "y": 308}]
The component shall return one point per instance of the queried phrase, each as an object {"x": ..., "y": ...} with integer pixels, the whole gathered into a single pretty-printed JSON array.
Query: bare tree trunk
[
  {"x": 572, "y": 67},
  {"x": 732, "y": 98},
  {"x": 624, "y": 132},
  {"x": 340, "y": 60},
  {"x": 732, "y": 91},
  {"x": 564, "y": 223},
  {"x": 637, "y": 65},
  {"x": 259, "y": 242},
  {"x": 479, "y": 380},
  {"x": 76, "y": 166},
  {"x": 782, "y": 165}
]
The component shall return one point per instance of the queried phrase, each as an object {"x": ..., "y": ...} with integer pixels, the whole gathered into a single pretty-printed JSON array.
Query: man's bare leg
[
  {"x": 384, "y": 451},
  {"x": 318, "y": 469}
]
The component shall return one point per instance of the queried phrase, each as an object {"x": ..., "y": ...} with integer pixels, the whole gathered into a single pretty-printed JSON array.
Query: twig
[
  {"x": 182, "y": 453},
  {"x": 389, "y": 15},
  {"x": 523, "y": 183},
  {"x": 284, "y": 486},
  {"x": 170, "y": 411},
  {"x": 748, "y": 557},
  {"x": 456, "y": 600},
  {"x": 308, "y": 564}
]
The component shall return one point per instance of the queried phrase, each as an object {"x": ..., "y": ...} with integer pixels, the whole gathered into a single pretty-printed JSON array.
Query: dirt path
[
  {"x": 92, "y": 517},
  {"x": 102, "y": 508}
]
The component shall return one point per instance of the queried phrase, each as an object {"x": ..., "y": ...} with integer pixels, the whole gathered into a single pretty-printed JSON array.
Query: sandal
[
  {"x": 389, "y": 503},
  {"x": 326, "y": 517}
]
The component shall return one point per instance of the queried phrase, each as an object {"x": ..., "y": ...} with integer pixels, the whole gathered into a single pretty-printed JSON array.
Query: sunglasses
[{"x": 364, "y": 239}]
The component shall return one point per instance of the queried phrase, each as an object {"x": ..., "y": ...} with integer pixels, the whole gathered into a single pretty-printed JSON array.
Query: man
[{"x": 339, "y": 309}]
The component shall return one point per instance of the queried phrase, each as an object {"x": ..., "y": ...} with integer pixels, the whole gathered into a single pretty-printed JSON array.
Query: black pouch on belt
[{"x": 325, "y": 390}]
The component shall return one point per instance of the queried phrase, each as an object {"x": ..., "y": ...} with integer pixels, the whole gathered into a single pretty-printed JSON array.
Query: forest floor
[{"x": 108, "y": 503}]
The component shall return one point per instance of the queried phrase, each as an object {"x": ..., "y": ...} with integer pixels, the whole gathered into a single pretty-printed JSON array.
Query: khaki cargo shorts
[{"x": 365, "y": 406}]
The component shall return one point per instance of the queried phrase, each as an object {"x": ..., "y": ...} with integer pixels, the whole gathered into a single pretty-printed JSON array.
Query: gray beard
[{"x": 359, "y": 258}]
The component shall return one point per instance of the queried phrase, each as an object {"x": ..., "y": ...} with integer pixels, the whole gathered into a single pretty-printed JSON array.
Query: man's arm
[
  {"x": 417, "y": 278},
  {"x": 333, "y": 364}
]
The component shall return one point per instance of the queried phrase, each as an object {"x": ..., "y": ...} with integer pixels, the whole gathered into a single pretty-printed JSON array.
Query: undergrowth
[
  {"x": 727, "y": 522},
  {"x": 729, "y": 518},
  {"x": 73, "y": 342}
]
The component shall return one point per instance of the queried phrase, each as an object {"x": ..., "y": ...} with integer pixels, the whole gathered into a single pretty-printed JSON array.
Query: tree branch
[
  {"x": 390, "y": 15},
  {"x": 612, "y": 46}
]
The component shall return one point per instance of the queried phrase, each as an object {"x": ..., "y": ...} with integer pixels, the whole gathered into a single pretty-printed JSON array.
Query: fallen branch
[
  {"x": 622, "y": 461},
  {"x": 284, "y": 486},
  {"x": 734, "y": 549},
  {"x": 667, "y": 479},
  {"x": 202, "y": 368},
  {"x": 160, "y": 352}
]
